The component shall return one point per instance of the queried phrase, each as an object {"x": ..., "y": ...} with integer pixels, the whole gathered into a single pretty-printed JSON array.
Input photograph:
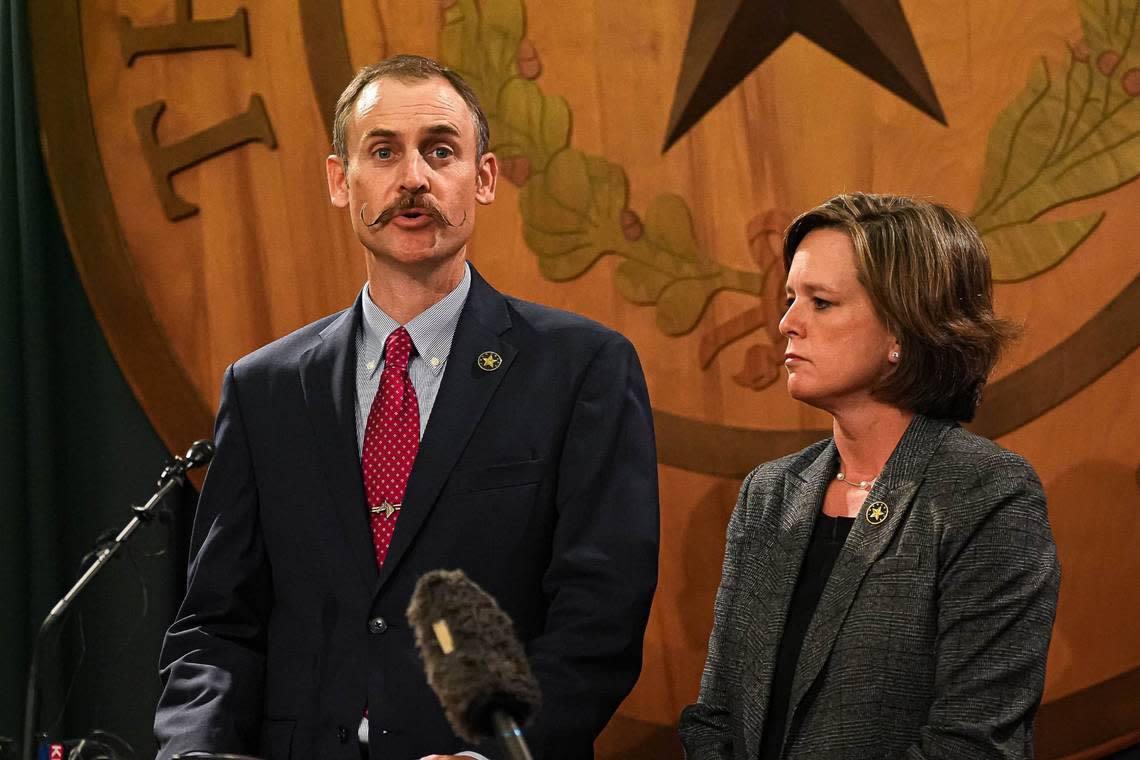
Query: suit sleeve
[
  {"x": 997, "y": 597},
  {"x": 603, "y": 567},
  {"x": 212, "y": 662},
  {"x": 706, "y": 727}
]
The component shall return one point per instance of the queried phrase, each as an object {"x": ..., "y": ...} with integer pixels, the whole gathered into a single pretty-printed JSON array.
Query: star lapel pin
[
  {"x": 489, "y": 361},
  {"x": 877, "y": 512}
]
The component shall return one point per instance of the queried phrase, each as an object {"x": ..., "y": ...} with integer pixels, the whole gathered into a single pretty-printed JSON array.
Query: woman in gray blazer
[{"x": 888, "y": 592}]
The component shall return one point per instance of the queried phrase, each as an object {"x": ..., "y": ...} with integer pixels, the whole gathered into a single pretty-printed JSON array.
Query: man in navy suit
[{"x": 533, "y": 470}]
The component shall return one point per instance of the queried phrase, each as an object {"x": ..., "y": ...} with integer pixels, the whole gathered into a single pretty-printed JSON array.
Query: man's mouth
[
  {"x": 410, "y": 210},
  {"x": 408, "y": 215},
  {"x": 413, "y": 219}
]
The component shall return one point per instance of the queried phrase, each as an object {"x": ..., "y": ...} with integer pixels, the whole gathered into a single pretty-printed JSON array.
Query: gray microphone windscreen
[{"x": 472, "y": 658}]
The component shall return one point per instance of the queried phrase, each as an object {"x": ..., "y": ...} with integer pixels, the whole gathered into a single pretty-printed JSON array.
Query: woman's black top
[{"x": 827, "y": 538}]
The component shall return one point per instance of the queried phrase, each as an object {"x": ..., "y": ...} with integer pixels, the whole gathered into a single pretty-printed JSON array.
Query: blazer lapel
[
  {"x": 327, "y": 379},
  {"x": 463, "y": 397},
  {"x": 895, "y": 488},
  {"x": 790, "y": 518}
]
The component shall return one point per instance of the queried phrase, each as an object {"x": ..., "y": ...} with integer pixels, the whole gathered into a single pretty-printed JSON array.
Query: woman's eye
[
  {"x": 788, "y": 302},
  {"x": 820, "y": 303}
]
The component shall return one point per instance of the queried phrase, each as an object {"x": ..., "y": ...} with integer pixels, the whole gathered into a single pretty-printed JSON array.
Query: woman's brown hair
[{"x": 928, "y": 274}]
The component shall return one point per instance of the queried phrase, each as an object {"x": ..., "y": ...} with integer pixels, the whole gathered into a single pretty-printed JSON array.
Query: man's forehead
[{"x": 399, "y": 105}]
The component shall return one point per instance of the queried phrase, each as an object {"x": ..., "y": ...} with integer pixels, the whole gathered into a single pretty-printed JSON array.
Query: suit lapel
[
  {"x": 327, "y": 379},
  {"x": 790, "y": 518},
  {"x": 463, "y": 397},
  {"x": 895, "y": 488}
]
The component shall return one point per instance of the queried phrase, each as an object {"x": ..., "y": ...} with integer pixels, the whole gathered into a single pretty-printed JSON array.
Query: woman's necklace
[{"x": 864, "y": 485}]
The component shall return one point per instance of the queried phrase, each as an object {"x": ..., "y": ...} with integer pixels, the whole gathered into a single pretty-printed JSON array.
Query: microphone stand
[{"x": 173, "y": 475}]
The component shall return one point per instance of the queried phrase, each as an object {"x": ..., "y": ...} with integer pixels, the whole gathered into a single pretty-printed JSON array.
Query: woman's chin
[
  {"x": 811, "y": 397},
  {"x": 799, "y": 390}
]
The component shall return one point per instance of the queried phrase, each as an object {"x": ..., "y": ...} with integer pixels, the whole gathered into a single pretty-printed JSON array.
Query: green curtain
[{"x": 75, "y": 452}]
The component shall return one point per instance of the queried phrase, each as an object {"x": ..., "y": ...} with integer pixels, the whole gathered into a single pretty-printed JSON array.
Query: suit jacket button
[
  {"x": 342, "y": 734},
  {"x": 377, "y": 625}
]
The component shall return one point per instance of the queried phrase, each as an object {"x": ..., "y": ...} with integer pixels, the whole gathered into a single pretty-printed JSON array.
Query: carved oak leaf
[{"x": 1067, "y": 136}]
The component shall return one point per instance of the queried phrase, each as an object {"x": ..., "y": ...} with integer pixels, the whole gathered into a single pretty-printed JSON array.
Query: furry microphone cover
[{"x": 486, "y": 669}]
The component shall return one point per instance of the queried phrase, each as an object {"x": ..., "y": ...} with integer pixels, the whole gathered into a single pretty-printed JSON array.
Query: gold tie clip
[{"x": 387, "y": 508}]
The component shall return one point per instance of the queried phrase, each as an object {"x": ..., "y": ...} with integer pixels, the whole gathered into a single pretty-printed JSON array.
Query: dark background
[{"x": 76, "y": 451}]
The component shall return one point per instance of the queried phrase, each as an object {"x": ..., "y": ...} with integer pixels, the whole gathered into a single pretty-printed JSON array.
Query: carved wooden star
[{"x": 730, "y": 38}]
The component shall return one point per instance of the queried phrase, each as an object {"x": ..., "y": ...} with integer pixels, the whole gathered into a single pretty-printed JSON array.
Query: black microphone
[
  {"x": 200, "y": 453},
  {"x": 473, "y": 661}
]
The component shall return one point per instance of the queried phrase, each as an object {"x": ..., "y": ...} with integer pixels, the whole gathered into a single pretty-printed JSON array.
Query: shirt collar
[{"x": 431, "y": 331}]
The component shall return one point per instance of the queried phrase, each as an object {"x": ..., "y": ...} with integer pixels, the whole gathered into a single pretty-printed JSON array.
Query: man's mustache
[{"x": 407, "y": 203}]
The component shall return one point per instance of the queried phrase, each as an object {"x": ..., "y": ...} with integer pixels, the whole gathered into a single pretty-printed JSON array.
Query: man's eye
[
  {"x": 441, "y": 152},
  {"x": 383, "y": 153}
]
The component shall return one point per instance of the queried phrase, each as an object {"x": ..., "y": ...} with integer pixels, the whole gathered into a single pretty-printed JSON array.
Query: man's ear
[
  {"x": 337, "y": 173},
  {"x": 486, "y": 177}
]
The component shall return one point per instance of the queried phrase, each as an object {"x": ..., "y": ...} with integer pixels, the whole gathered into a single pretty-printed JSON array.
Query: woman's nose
[{"x": 790, "y": 322}]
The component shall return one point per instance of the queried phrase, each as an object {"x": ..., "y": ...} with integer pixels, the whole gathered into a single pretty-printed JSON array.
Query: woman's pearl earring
[{"x": 894, "y": 356}]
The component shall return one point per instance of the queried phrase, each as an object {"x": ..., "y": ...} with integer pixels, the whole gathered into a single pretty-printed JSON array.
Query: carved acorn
[
  {"x": 527, "y": 60},
  {"x": 1080, "y": 49},
  {"x": 1131, "y": 82},
  {"x": 631, "y": 226},
  {"x": 516, "y": 169},
  {"x": 1107, "y": 62}
]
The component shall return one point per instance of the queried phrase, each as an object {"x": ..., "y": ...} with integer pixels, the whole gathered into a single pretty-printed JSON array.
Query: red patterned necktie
[{"x": 391, "y": 440}]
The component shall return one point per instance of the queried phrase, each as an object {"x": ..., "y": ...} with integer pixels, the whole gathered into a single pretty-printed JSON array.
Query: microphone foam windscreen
[{"x": 473, "y": 660}]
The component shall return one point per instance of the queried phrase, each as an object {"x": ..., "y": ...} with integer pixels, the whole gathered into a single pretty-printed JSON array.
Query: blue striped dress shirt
[{"x": 432, "y": 331}]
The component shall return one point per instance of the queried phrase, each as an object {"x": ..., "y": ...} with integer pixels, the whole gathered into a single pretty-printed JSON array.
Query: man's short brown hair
[
  {"x": 405, "y": 68},
  {"x": 928, "y": 275}
]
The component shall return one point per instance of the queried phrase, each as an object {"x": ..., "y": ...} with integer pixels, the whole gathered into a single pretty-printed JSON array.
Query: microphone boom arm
[{"x": 173, "y": 475}]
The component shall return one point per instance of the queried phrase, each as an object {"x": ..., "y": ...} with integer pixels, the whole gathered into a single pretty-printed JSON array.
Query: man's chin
[
  {"x": 412, "y": 256},
  {"x": 403, "y": 244}
]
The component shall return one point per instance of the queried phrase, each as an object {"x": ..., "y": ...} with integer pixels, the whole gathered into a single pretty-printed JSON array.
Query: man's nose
[{"x": 414, "y": 174}]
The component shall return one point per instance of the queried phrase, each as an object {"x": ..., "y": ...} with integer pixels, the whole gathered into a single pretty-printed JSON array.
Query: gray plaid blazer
[{"x": 930, "y": 637}]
